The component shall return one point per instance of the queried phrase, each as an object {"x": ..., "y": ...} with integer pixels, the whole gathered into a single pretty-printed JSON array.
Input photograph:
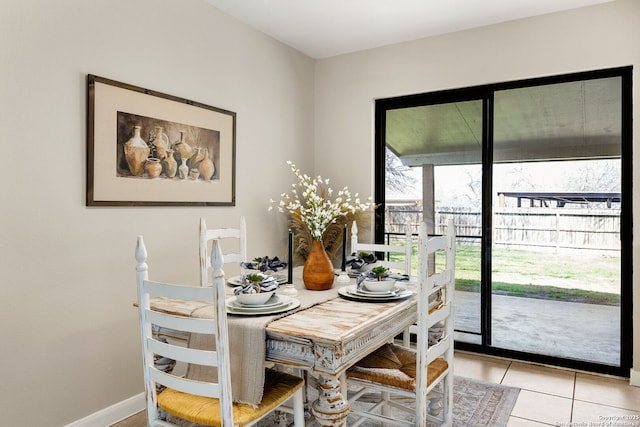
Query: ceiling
[
  {"x": 325, "y": 28},
  {"x": 573, "y": 120}
]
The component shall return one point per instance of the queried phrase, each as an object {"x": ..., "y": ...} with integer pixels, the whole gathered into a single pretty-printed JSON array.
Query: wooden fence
[{"x": 556, "y": 228}]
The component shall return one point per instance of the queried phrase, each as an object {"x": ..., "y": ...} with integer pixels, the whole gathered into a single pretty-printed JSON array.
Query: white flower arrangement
[{"x": 311, "y": 200}]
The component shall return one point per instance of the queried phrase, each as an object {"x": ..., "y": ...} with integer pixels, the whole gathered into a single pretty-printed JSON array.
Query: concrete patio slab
[{"x": 579, "y": 331}]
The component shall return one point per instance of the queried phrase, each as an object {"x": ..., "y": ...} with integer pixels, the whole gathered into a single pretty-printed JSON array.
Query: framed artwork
[{"x": 146, "y": 148}]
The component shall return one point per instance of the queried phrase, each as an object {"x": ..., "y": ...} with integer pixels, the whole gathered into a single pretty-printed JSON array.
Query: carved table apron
[{"x": 330, "y": 337}]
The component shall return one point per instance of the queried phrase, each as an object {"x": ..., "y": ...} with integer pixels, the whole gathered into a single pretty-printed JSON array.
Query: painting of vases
[
  {"x": 147, "y": 148},
  {"x": 150, "y": 141}
]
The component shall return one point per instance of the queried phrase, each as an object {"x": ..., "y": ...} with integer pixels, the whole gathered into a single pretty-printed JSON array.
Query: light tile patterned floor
[
  {"x": 557, "y": 397},
  {"x": 548, "y": 396}
]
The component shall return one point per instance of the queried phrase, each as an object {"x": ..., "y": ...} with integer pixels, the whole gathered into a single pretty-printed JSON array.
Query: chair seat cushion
[
  {"x": 384, "y": 357},
  {"x": 278, "y": 387},
  {"x": 394, "y": 366}
]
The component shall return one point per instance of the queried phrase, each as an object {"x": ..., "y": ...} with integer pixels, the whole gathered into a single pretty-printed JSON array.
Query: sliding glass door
[
  {"x": 536, "y": 175},
  {"x": 556, "y": 270}
]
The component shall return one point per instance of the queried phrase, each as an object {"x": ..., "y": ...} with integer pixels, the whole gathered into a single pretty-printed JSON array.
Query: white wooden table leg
[
  {"x": 343, "y": 385},
  {"x": 331, "y": 408}
]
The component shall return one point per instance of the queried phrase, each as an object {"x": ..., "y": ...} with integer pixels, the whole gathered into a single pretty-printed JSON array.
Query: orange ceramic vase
[
  {"x": 153, "y": 167},
  {"x": 206, "y": 167},
  {"x": 317, "y": 273}
]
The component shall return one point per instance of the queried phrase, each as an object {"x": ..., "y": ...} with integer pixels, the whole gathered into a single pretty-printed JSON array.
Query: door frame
[{"x": 485, "y": 93}]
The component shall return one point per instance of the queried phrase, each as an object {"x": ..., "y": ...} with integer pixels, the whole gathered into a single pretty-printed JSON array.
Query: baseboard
[
  {"x": 112, "y": 414},
  {"x": 634, "y": 378}
]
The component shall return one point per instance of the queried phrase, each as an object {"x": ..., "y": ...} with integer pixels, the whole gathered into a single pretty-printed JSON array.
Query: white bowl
[
  {"x": 379, "y": 285},
  {"x": 254, "y": 299}
]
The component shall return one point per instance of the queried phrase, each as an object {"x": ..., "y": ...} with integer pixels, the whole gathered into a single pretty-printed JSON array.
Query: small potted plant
[
  {"x": 252, "y": 292},
  {"x": 379, "y": 272},
  {"x": 377, "y": 280},
  {"x": 255, "y": 279}
]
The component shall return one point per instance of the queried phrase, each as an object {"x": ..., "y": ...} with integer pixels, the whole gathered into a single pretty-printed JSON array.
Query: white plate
[
  {"x": 274, "y": 301},
  {"x": 366, "y": 295},
  {"x": 237, "y": 280},
  {"x": 353, "y": 289},
  {"x": 293, "y": 303},
  {"x": 349, "y": 293},
  {"x": 271, "y": 302},
  {"x": 364, "y": 291}
]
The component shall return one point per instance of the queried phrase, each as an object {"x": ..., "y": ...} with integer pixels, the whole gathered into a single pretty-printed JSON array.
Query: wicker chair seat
[
  {"x": 394, "y": 366},
  {"x": 278, "y": 387}
]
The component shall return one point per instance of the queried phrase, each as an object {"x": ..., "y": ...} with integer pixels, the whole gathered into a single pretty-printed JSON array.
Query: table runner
[{"x": 247, "y": 342}]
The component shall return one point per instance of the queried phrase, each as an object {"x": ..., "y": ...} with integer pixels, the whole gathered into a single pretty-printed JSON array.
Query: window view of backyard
[{"x": 556, "y": 268}]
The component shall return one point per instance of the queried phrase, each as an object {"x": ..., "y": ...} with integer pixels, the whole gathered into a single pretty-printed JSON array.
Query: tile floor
[
  {"x": 548, "y": 396},
  {"x": 556, "y": 397}
]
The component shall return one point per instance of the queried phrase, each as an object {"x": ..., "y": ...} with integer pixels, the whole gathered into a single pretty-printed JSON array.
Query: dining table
[{"x": 324, "y": 333}]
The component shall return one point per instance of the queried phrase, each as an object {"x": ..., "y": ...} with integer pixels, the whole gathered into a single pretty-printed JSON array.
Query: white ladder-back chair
[
  {"x": 405, "y": 250},
  {"x": 208, "y": 235},
  {"x": 426, "y": 373},
  {"x": 207, "y": 403}
]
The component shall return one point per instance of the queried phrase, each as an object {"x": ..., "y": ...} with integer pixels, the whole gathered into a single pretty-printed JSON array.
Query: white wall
[
  {"x": 67, "y": 271},
  {"x": 597, "y": 37},
  {"x": 70, "y": 343}
]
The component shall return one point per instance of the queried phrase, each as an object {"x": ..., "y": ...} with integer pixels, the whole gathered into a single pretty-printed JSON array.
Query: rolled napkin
[
  {"x": 268, "y": 284},
  {"x": 265, "y": 264},
  {"x": 358, "y": 261},
  {"x": 247, "y": 288}
]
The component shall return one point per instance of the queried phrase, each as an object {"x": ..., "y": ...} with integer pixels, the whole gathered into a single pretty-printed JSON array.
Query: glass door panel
[
  {"x": 440, "y": 147},
  {"x": 556, "y": 269}
]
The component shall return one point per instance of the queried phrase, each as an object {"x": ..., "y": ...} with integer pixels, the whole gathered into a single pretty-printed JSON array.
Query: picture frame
[{"x": 147, "y": 148}]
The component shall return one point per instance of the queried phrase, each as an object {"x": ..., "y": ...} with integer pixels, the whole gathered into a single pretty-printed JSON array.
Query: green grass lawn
[{"x": 533, "y": 274}]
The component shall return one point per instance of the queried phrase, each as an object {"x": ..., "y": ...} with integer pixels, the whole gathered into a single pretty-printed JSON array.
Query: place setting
[
  {"x": 359, "y": 263},
  {"x": 238, "y": 281},
  {"x": 261, "y": 265},
  {"x": 376, "y": 285},
  {"x": 256, "y": 295},
  {"x": 275, "y": 304}
]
